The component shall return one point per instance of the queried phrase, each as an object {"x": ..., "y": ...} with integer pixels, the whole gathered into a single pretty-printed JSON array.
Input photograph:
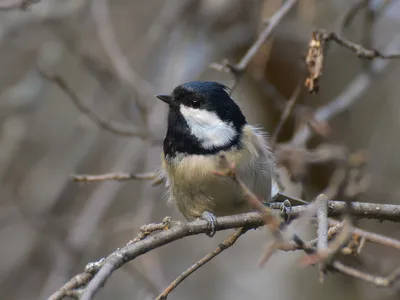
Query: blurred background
[{"x": 114, "y": 57}]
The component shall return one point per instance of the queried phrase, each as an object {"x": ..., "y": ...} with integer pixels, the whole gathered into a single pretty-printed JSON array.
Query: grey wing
[
  {"x": 263, "y": 181},
  {"x": 264, "y": 185}
]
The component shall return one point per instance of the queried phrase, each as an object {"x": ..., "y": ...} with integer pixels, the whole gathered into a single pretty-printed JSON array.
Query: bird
[{"x": 205, "y": 123}]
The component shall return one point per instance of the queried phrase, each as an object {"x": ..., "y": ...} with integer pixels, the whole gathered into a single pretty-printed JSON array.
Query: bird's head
[{"x": 202, "y": 119}]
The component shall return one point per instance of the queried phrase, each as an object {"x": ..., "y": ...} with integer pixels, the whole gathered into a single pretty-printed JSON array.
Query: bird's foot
[
  {"x": 212, "y": 222},
  {"x": 285, "y": 207}
]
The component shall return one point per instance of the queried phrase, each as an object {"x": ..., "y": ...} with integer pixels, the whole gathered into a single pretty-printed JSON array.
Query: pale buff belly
[{"x": 195, "y": 189}]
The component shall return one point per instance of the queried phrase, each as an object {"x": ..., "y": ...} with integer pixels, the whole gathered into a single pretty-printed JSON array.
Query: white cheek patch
[{"x": 207, "y": 127}]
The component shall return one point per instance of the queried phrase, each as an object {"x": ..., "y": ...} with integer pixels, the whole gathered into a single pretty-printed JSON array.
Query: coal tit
[{"x": 204, "y": 122}]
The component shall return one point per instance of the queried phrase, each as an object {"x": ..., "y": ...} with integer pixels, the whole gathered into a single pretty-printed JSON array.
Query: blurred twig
[
  {"x": 16, "y": 4},
  {"x": 100, "y": 13},
  {"x": 115, "y": 176},
  {"x": 227, "y": 243},
  {"x": 113, "y": 127},
  {"x": 286, "y": 113},
  {"x": 350, "y": 14},
  {"x": 241, "y": 66}
]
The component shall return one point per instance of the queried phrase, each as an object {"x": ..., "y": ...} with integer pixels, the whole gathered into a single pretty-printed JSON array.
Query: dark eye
[{"x": 195, "y": 103}]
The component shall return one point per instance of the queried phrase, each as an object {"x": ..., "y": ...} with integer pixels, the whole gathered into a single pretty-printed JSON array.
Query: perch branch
[{"x": 105, "y": 267}]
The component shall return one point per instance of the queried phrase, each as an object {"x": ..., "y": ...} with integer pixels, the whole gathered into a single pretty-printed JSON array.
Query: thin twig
[
  {"x": 272, "y": 23},
  {"x": 221, "y": 247},
  {"x": 241, "y": 66},
  {"x": 349, "y": 96},
  {"x": 316, "y": 55},
  {"x": 358, "y": 49},
  {"x": 371, "y": 237},
  {"x": 286, "y": 113},
  {"x": 377, "y": 280},
  {"x": 113, "y": 127},
  {"x": 293, "y": 246}
]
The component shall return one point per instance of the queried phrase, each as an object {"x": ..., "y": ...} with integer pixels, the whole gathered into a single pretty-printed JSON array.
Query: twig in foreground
[
  {"x": 113, "y": 127},
  {"x": 221, "y": 247},
  {"x": 270, "y": 219}
]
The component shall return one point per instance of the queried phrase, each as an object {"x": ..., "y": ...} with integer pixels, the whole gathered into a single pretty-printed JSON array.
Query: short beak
[{"x": 166, "y": 98}]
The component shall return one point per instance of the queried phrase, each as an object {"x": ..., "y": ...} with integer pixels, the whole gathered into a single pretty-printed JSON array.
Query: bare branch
[
  {"x": 227, "y": 243},
  {"x": 105, "y": 267}
]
